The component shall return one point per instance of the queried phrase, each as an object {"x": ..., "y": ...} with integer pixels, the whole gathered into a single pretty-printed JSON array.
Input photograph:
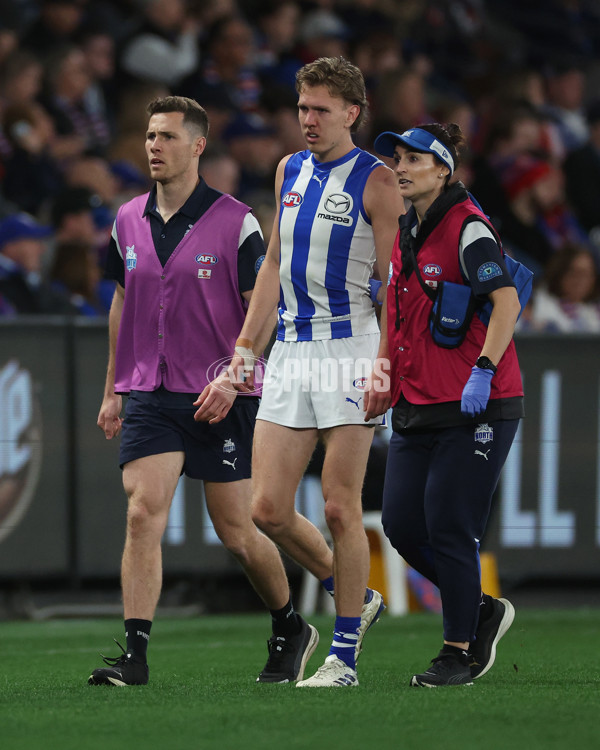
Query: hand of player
[
  {"x": 241, "y": 369},
  {"x": 376, "y": 291},
  {"x": 476, "y": 392},
  {"x": 378, "y": 395},
  {"x": 216, "y": 400},
  {"x": 109, "y": 419}
]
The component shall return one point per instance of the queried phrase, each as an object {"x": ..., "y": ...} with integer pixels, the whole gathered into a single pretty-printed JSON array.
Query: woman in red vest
[{"x": 456, "y": 401}]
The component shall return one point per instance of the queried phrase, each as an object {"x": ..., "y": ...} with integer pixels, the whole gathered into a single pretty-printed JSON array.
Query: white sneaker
[
  {"x": 369, "y": 615},
  {"x": 333, "y": 673}
]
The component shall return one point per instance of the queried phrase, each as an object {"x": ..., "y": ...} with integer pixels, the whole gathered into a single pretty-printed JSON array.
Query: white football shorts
[{"x": 318, "y": 384}]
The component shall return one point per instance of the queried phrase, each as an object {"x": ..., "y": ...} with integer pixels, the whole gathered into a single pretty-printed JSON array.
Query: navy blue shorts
[{"x": 216, "y": 453}]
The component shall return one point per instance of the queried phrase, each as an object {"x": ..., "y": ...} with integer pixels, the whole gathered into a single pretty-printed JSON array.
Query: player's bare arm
[
  {"x": 383, "y": 205},
  {"x": 258, "y": 326},
  {"x": 216, "y": 399},
  {"x": 109, "y": 417},
  {"x": 266, "y": 290}
]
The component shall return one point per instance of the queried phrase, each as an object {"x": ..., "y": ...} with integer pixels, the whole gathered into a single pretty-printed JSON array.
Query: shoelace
[
  {"x": 328, "y": 666},
  {"x": 278, "y": 647},
  {"x": 331, "y": 666},
  {"x": 113, "y": 661}
]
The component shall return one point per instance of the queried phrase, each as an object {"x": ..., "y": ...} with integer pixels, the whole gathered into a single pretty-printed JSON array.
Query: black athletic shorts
[{"x": 161, "y": 422}]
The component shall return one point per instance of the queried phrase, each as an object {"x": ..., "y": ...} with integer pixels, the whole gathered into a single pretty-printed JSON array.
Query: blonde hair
[{"x": 342, "y": 79}]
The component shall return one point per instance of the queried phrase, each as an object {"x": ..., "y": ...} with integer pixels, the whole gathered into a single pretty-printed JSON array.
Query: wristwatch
[{"x": 485, "y": 363}]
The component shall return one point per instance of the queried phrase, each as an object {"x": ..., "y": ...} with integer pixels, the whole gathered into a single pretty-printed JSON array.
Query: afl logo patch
[
  {"x": 292, "y": 200},
  {"x": 338, "y": 203},
  {"x": 432, "y": 269},
  {"x": 360, "y": 384},
  {"x": 207, "y": 259}
]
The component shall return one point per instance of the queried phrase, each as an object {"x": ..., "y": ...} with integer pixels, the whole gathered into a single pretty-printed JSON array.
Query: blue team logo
[
  {"x": 488, "y": 271},
  {"x": 292, "y": 200},
  {"x": 432, "y": 269},
  {"x": 228, "y": 445},
  {"x": 130, "y": 258},
  {"x": 484, "y": 433},
  {"x": 258, "y": 264},
  {"x": 207, "y": 259}
]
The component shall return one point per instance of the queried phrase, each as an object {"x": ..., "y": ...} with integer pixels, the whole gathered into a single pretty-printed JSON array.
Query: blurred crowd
[{"x": 521, "y": 79}]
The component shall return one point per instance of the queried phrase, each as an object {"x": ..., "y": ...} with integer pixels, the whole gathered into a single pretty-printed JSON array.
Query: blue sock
[
  {"x": 345, "y": 635},
  {"x": 327, "y": 584}
]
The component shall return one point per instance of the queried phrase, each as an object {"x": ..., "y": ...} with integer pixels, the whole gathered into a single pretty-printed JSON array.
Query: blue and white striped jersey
[{"x": 327, "y": 248}]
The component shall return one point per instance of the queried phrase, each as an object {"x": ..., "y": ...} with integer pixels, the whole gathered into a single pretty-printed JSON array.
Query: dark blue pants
[{"x": 436, "y": 502}]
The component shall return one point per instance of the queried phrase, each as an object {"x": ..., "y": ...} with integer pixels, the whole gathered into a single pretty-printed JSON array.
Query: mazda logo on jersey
[
  {"x": 207, "y": 259},
  {"x": 338, "y": 203},
  {"x": 292, "y": 200}
]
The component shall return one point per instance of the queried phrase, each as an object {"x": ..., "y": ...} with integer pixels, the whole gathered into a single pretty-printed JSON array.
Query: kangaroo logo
[
  {"x": 230, "y": 463},
  {"x": 130, "y": 257},
  {"x": 356, "y": 403},
  {"x": 481, "y": 453}
]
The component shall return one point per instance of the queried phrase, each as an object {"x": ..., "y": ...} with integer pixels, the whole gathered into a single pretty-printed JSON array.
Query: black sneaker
[
  {"x": 489, "y": 632},
  {"x": 288, "y": 656},
  {"x": 122, "y": 670},
  {"x": 445, "y": 669}
]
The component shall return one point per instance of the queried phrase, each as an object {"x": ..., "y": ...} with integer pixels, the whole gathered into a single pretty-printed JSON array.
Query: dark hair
[
  {"x": 510, "y": 114},
  {"x": 560, "y": 263},
  {"x": 15, "y": 63},
  {"x": 342, "y": 79},
  {"x": 72, "y": 263},
  {"x": 55, "y": 60},
  {"x": 451, "y": 136},
  {"x": 218, "y": 29},
  {"x": 72, "y": 200},
  {"x": 194, "y": 116}
]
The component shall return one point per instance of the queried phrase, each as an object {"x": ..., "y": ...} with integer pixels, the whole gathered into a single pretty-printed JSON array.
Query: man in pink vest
[{"x": 185, "y": 258}]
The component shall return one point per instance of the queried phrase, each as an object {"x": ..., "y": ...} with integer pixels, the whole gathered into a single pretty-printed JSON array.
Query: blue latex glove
[
  {"x": 374, "y": 287},
  {"x": 476, "y": 392}
]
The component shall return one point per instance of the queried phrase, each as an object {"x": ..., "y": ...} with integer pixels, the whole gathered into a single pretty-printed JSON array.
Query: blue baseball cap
[
  {"x": 21, "y": 226},
  {"x": 418, "y": 140},
  {"x": 252, "y": 125}
]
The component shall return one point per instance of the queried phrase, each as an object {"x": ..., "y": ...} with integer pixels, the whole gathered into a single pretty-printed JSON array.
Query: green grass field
[{"x": 543, "y": 692}]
